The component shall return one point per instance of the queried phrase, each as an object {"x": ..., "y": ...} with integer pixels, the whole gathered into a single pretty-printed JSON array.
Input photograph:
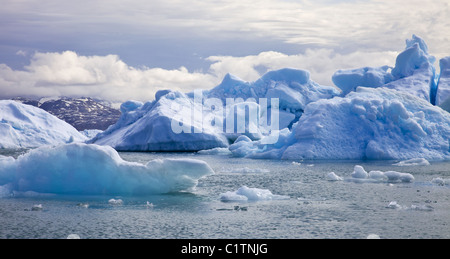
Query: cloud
[{"x": 108, "y": 77}]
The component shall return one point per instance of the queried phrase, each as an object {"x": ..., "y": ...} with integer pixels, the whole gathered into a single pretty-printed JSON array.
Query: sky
[{"x": 127, "y": 50}]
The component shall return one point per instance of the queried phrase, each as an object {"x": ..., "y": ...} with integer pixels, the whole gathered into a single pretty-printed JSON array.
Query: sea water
[{"x": 315, "y": 207}]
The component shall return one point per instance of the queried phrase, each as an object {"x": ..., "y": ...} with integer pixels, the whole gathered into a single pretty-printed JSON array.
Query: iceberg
[
  {"x": 88, "y": 169},
  {"x": 149, "y": 127},
  {"x": 25, "y": 126},
  {"x": 371, "y": 123},
  {"x": 196, "y": 121},
  {"x": 413, "y": 72},
  {"x": 443, "y": 90},
  {"x": 245, "y": 193}
]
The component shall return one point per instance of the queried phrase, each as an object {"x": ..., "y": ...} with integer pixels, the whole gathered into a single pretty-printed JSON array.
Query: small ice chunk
[
  {"x": 83, "y": 205},
  {"x": 373, "y": 236},
  {"x": 251, "y": 194},
  {"x": 393, "y": 205},
  {"x": 422, "y": 207},
  {"x": 440, "y": 181},
  {"x": 397, "y": 176},
  {"x": 333, "y": 177},
  {"x": 413, "y": 162},
  {"x": 359, "y": 172},
  {"x": 73, "y": 236},
  {"x": 37, "y": 207},
  {"x": 115, "y": 202}
]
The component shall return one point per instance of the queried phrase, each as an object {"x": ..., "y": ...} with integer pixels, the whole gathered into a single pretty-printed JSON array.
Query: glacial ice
[
  {"x": 360, "y": 175},
  {"x": 371, "y": 123},
  {"x": 413, "y": 72},
  {"x": 150, "y": 126},
  {"x": 443, "y": 91},
  {"x": 91, "y": 169},
  {"x": 245, "y": 193},
  {"x": 25, "y": 126}
]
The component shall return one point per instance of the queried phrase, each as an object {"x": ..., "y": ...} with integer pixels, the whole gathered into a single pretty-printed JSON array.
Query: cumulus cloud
[{"x": 108, "y": 77}]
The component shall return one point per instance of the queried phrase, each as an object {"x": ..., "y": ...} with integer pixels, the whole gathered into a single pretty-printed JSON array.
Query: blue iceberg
[
  {"x": 371, "y": 123},
  {"x": 413, "y": 73},
  {"x": 87, "y": 169},
  {"x": 195, "y": 121}
]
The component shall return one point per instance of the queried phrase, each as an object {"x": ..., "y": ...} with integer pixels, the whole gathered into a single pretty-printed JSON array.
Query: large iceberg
[
  {"x": 413, "y": 73},
  {"x": 443, "y": 91},
  {"x": 25, "y": 126},
  {"x": 206, "y": 119},
  {"x": 89, "y": 169},
  {"x": 371, "y": 123},
  {"x": 149, "y": 127}
]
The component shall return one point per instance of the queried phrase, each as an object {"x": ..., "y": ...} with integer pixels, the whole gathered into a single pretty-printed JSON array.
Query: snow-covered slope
[{"x": 25, "y": 126}]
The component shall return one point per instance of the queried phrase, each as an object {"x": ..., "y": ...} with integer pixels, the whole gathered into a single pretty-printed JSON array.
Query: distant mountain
[{"x": 82, "y": 113}]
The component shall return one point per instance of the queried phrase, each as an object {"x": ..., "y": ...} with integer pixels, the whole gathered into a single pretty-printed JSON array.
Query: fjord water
[{"x": 316, "y": 207}]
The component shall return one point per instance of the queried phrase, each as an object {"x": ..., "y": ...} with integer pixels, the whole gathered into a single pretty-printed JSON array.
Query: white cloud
[{"x": 108, "y": 77}]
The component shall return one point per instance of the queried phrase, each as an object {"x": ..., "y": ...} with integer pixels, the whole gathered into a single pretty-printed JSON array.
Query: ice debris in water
[
  {"x": 413, "y": 162},
  {"x": 421, "y": 207},
  {"x": 115, "y": 201},
  {"x": 37, "y": 207},
  {"x": 73, "y": 236},
  {"x": 245, "y": 193},
  {"x": 359, "y": 174},
  {"x": 333, "y": 177},
  {"x": 440, "y": 181},
  {"x": 373, "y": 236}
]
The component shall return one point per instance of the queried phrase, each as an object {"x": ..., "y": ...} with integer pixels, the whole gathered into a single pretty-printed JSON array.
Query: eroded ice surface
[{"x": 92, "y": 169}]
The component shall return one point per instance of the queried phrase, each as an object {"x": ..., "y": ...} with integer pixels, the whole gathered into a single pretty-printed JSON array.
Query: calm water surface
[{"x": 316, "y": 208}]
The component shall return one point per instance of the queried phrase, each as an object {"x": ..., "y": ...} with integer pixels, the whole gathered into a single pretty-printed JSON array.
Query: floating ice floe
[
  {"x": 37, "y": 207},
  {"x": 92, "y": 169},
  {"x": 115, "y": 201},
  {"x": 245, "y": 193},
  {"x": 333, "y": 177},
  {"x": 413, "y": 162},
  {"x": 73, "y": 236},
  {"x": 421, "y": 207},
  {"x": 440, "y": 181},
  {"x": 360, "y": 175}
]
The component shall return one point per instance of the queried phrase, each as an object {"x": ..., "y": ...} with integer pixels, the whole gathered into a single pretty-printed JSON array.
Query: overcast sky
[{"x": 120, "y": 50}]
